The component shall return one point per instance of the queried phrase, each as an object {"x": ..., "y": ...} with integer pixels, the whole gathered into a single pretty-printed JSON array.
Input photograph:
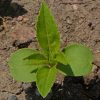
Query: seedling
[{"x": 28, "y": 65}]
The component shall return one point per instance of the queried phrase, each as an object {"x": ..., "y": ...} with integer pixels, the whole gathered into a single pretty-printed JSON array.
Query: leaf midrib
[
  {"x": 47, "y": 79},
  {"x": 46, "y": 35}
]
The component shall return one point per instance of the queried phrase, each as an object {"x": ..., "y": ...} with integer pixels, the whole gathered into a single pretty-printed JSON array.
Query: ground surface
[{"x": 78, "y": 21}]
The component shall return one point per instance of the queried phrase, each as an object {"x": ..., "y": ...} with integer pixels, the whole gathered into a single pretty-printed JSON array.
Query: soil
[{"x": 78, "y": 22}]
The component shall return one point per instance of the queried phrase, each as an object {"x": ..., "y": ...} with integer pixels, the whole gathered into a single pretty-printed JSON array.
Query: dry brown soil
[{"x": 78, "y": 22}]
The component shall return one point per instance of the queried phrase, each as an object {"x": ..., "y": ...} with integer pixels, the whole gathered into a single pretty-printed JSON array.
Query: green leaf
[
  {"x": 22, "y": 68},
  {"x": 37, "y": 59},
  {"x": 47, "y": 32},
  {"x": 65, "y": 69},
  {"x": 45, "y": 78},
  {"x": 60, "y": 57},
  {"x": 79, "y": 60}
]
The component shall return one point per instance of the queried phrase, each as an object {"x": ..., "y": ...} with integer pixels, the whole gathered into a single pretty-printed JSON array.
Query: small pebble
[
  {"x": 20, "y": 18},
  {"x": 75, "y": 7},
  {"x": 94, "y": 69},
  {"x": 12, "y": 97},
  {"x": 69, "y": 21},
  {"x": 26, "y": 86},
  {"x": 25, "y": 20}
]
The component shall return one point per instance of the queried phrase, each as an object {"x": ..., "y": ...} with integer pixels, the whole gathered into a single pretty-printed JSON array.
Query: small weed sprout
[{"x": 28, "y": 65}]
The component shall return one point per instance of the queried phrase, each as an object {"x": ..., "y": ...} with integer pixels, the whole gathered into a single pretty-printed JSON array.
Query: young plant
[{"x": 28, "y": 65}]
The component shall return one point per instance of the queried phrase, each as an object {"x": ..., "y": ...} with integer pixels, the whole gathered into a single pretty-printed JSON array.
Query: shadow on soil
[
  {"x": 11, "y": 9},
  {"x": 73, "y": 89}
]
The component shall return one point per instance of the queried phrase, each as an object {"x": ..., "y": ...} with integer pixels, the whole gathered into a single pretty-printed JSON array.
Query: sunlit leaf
[
  {"x": 61, "y": 58},
  {"x": 79, "y": 60},
  {"x": 45, "y": 78},
  {"x": 47, "y": 32},
  {"x": 23, "y": 69}
]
